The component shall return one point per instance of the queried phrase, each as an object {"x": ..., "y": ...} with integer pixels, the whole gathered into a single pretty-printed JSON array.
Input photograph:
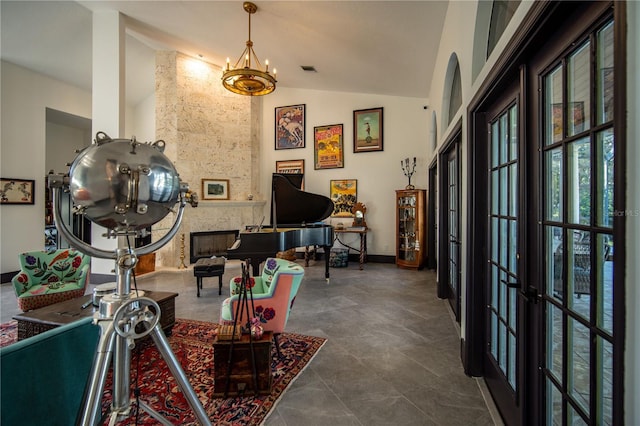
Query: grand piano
[{"x": 295, "y": 222}]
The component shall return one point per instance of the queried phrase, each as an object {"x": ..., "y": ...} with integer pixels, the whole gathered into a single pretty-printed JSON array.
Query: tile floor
[{"x": 392, "y": 355}]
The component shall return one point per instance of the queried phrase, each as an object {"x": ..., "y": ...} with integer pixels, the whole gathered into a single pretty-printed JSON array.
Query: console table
[
  {"x": 40, "y": 320},
  {"x": 362, "y": 232}
]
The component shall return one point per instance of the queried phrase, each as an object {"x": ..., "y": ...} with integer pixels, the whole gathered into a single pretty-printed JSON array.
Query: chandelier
[{"x": 246, "y": 80}]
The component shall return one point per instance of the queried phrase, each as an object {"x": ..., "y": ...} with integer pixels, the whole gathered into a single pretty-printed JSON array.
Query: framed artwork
[
  {"x": 291, "y": 167},
  {"x": 290, "y": 127},
  {"x": 16, "y": 191},
  {"x": 367, "y": 130},
  {"x": 344, "y": 194},
  {"x": 328, "y": 147},
  {"x": 215, "y": 189}
]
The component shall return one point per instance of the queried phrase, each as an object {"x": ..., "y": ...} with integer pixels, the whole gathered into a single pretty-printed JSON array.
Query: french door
[
  {"x": 450, "y": 243},
  {"x": 576, "y": 144},
  {"x": 542, "y": 294},
  {"x": 504, "y": 345}
]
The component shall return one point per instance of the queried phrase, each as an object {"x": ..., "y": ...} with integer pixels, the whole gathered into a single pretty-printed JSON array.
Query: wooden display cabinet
[{"x": 411, "y": 247}]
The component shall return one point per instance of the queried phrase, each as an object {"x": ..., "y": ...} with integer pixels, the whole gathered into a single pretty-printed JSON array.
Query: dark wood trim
[{"x": 432, "y": 228}]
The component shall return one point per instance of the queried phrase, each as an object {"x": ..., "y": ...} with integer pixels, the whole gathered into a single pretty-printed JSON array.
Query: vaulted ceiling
[{"x": 383, "y": 47}]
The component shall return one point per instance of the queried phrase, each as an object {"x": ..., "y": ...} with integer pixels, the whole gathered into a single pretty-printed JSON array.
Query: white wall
[
  {"x": 25, "y": 97},
  {"x": 405, "y": 127}
]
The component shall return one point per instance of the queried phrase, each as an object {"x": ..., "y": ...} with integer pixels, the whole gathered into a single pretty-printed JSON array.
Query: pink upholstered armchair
[{"x": 274, "y": 292}]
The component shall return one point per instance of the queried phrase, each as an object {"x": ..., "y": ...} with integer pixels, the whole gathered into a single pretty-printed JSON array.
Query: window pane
[
  {"x": 495, "y": 146},
  {"x": 580, "y": 273},
  {"x": 604, "y": 281},
  {"x": 580, "y": 362},
  {"x": 513, "y": 132},
  {"x": 553, "y": 106},
  {"x": 504, "y": 138},
  {"x": 554, "y": 202},
  {"x": 605, "y": 382},
  {"x": 554, "y": 401},
  {"x": 578, "y": 90},
  {"x": 604, "y": 101},
  {"x": 604, "y": 178},
  {"x": 554, "y": 259},
  {"x": 513, "y": 191},
  {"x": 504, "y": 187},
  {"x": 495, "y": 185},
  {"x": 512, "y": 361},
  {"x": 579, "y": 181},
  {"x": 501, "y": 13},
  {"x": 554, "y": 342}
]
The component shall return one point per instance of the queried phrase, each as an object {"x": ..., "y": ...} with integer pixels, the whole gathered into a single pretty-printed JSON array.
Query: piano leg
[{"x": 327, "y": 252}]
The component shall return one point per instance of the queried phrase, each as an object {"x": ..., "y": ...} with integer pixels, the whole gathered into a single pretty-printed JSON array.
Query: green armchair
[{"x": 48, "y": 277}]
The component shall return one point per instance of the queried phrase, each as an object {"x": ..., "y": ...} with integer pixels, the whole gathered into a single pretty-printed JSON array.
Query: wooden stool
[{"x": 209, "y": 268}]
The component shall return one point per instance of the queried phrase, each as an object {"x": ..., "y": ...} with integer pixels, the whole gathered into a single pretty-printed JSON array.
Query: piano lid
[{"x": 294, "y": 206}]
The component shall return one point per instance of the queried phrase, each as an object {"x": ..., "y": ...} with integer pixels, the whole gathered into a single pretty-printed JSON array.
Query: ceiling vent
[{"x": 308, "y": 68}]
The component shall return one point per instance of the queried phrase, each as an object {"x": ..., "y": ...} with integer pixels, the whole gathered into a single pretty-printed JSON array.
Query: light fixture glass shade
[{"x": 246, "y": 80}]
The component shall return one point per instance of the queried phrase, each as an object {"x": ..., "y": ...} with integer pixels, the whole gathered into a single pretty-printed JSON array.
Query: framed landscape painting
[
  {"x": 328, "y": 147},
  {"x": 344, "y": 194},
  {"x": 215, "y": 189},
  {"x": 290, "y": 131},
  {"x": 367, "y": 130}
]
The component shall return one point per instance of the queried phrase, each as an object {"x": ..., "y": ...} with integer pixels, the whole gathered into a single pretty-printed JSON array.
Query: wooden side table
[
  {"x": 40, "y": 320},
  {"x": 362, "y": 232}
]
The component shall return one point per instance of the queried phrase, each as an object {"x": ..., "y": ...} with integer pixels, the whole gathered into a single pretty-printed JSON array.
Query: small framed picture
[
  {"x": 344, "y": 194},
  {"x": 328, "y": 147},
  {"x": 290, "y": 131},
  {"x": 290, "y": 166},
  {"x": 16, "y": 191},
  {"x": 215, "y": 189},
  {"x": 367, "y": 130}
]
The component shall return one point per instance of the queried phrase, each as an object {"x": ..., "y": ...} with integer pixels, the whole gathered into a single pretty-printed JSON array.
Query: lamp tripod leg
[
  {"x": 115, "y": 346},
  {"x": 91, "y": 408}
]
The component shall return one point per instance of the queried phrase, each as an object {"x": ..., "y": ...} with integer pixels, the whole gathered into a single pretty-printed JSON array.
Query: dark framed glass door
[
  {"x": 503, "y": 313},
  {"x": 450, "y": 271},
  {"x": 577, "y": 164}
]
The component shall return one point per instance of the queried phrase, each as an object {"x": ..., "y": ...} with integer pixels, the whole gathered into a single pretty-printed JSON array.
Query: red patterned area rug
[
  {"x": 8, "y": 333},
  {"x": 192, "y": 343}
]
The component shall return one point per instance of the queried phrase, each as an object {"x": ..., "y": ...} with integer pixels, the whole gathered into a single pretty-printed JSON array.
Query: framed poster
[
  {"x": 215, "y": 189},
  {"x": 367, "y": 130},
  {"x": 290, "y": 127},
  {"x": 16, "y": 191},
  {"x": 344, "y": 194},
  {"x": 291, "y": 167},
  {"x": 328, "y": 147}
]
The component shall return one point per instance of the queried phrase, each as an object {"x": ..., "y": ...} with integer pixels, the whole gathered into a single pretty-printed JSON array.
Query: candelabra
[
  {"x": 182, "y": 256},
  {"x": 408, "y": 170}
]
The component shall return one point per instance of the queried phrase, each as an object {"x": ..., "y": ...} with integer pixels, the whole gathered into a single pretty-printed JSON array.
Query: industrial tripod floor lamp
[{"x": 125, "y": 186}]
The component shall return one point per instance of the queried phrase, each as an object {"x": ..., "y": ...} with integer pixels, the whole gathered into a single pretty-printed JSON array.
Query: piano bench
[{"x": 209, "y": 268}]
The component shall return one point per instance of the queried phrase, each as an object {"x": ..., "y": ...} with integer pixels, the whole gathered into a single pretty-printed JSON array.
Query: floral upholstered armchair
[
  {"x": 274, "y": 292},
  {"x": 48, "y": 277}
]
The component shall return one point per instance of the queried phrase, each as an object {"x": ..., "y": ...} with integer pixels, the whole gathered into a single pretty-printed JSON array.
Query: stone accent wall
[{"x": 209, "y": 133}]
